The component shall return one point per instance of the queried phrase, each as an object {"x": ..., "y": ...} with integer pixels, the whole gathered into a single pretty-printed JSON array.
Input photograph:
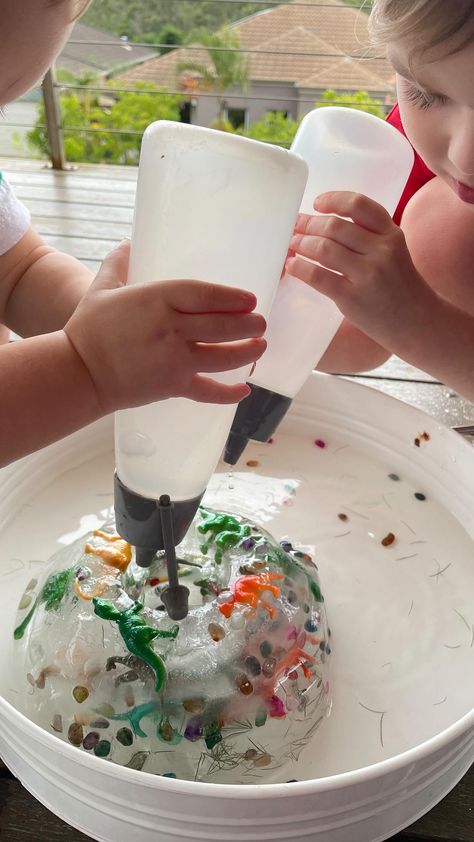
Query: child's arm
[
  {"x": 378, "y": 288},
  {"x": 39, "y": 286},
  {"x": 124, "y": 346},
  {"x": 351, "y": 350}
]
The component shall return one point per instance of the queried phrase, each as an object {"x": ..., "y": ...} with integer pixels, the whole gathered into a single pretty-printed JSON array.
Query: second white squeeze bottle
[{"x": 345, "y": 149}]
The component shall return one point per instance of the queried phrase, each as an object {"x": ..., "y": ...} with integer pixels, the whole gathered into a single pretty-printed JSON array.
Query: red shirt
[{"x": 419, "y": 175}]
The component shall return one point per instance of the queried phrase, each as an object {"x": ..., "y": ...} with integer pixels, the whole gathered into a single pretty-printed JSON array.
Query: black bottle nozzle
[
  {"x": 257, "y": 417},
  {"x": 175, "y": 596}
]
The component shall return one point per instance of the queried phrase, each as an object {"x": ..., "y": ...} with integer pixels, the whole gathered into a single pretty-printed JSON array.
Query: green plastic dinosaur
[{"x": 136, "y": 635}]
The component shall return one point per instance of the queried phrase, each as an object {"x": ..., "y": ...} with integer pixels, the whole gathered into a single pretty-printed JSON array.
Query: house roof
[
  {"x": 303, "y": 45},
  {"x": 96, "y": 57}
]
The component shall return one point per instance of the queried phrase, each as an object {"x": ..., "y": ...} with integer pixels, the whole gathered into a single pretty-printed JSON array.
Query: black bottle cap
[{"x": 257, "y": 417}]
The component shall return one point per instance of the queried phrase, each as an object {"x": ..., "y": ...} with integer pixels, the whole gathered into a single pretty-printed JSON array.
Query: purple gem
[
  {"x": 193, "y": 730},
  {"x": 90, "y": 740},
  {"x": 248, "y": 543}
]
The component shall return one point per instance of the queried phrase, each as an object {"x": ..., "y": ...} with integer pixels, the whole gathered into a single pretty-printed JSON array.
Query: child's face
[
  {"x": 436, "y": 102},
  {"x": 33, "y": 33}
]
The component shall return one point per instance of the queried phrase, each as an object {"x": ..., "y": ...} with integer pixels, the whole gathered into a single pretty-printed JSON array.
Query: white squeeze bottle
[
  {"x": 215, "y": 207},
  {"x": 345, "y": 149}
]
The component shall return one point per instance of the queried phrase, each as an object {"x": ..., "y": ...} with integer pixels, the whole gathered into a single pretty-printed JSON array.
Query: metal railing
[{"x": 56, "y": 128}]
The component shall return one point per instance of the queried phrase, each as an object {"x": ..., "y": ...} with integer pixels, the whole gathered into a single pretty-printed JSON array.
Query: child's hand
[
  {"x": 149, "y": 342},
  {"x": 378, "y": 288}
]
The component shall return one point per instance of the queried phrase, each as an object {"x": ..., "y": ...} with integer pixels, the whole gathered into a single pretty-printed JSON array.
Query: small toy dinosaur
[{"x": 136, "y": 635}]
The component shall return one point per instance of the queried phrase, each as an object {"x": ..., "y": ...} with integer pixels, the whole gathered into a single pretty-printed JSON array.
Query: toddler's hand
[
  {"x": 149, "y": 342},
  {"x": 366, "y": 267}
]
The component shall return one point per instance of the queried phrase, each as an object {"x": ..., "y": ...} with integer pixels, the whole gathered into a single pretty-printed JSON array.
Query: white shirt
[{"x": 14, "y": 217}]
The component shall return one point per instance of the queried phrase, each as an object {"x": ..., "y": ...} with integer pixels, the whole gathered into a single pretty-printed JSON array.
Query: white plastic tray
[{"x": 402, "y": 729}]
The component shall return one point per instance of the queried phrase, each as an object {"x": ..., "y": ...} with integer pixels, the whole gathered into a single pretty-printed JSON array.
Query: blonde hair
[{"x": 424, "y": 23}]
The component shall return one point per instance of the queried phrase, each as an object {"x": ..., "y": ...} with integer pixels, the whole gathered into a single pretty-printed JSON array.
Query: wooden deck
[{"x": 85, "y": 212}]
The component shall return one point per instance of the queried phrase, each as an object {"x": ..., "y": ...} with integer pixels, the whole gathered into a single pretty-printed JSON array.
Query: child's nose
[{"x": 461, "y": 147}]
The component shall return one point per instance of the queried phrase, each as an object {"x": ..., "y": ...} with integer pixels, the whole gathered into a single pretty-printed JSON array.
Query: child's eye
[{"x": 423, "y": 99}]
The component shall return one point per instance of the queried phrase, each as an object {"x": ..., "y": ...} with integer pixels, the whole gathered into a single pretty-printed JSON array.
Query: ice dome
[{"x": 230, "y": 694}]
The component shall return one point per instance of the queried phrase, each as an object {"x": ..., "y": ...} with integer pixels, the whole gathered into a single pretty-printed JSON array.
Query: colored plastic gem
[
  {"x": 80, "y": 694},
  {"x": 75, "y": 734},
  {"x": 125, "y": 736},
  {"x": 216, "y": 631},
  {"x": 102, "y": 749},
  {"x": 90, "y": 740}
]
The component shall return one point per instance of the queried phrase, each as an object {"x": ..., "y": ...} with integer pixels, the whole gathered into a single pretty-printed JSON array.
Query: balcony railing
[{"x": 56, "y": 128}]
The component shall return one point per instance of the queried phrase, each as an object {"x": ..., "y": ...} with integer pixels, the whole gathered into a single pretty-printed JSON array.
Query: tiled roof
[
  {"x": 97, "y": 57},
  {"x": 327, "y": 46}
]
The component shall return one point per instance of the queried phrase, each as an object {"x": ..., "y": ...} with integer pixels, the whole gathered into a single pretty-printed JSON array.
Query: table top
[{"x": 452, "y": 820}]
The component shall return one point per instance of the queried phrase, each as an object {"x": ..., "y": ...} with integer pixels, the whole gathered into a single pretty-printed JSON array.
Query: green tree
[
  {"x": 360, "y": 100},
  {"x": 134, "y": 18},
  {"x": 169, "y": 34},
  {"x": 128, "y": 112},
  {"x": 226, "y": 69},
  {"x": 274, "y": 127}
]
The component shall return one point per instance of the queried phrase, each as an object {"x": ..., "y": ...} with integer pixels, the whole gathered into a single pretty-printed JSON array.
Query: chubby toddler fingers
[
  {"x": 206, "y": 390},
  {"x": 223, "y": 327},
  {"x": 227, "y": 356},
  {"x": 114, "y": 269},
  {"x": 361, "y": 209},
  {"x": 202, "y": 297}
]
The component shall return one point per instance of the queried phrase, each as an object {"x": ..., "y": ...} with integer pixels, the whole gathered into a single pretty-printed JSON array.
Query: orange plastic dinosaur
[{"x": 249, "y": 590}]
